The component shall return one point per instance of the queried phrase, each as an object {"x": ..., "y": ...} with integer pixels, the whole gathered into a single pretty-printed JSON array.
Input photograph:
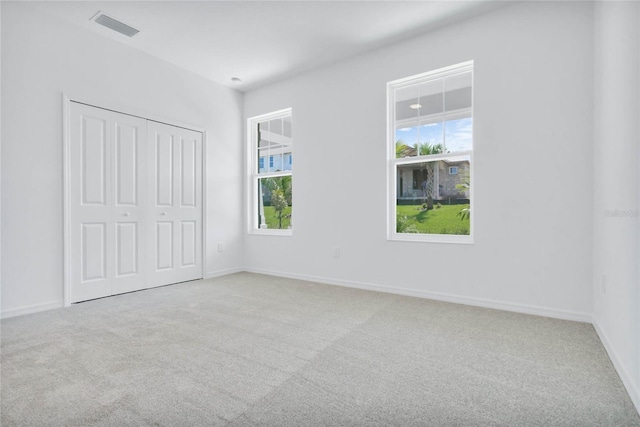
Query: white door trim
[
  {"x": 66, "y": 150},
  {"x": 66, "y": 105}
]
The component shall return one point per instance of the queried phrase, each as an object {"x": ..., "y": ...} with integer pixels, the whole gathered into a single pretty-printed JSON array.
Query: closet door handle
[
  {"x": 163, "y": 213},
  {"x": 126, "y": 214}
]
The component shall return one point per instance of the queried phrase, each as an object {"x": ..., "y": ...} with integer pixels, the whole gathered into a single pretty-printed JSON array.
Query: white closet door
[
  {"x": 175, "y": 204},
  {"x": 107, "y": 187}
]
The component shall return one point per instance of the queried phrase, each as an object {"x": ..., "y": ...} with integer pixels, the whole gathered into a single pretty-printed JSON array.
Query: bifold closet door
[
  {"x": 107, "y": 179},
  {"x": 175, "y": 205}
]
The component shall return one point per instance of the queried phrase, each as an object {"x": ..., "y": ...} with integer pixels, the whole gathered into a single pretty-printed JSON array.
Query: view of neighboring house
[
  {"x": 275, "y": 162},
  {"x": 274, "y": 145},
  {"x": 447, "y": 181}
]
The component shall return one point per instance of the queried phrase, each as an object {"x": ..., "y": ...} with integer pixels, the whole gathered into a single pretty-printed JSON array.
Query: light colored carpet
[{"x": 248, "y": 349}]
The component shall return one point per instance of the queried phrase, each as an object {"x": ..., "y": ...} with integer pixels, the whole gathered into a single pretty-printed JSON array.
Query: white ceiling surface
[{"x": 264, "y": 41}]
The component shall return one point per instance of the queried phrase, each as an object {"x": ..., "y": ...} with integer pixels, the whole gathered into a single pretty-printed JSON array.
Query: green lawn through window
[
  {"x": 443, "y": 220},
  {"x": 271, "y": 217}
]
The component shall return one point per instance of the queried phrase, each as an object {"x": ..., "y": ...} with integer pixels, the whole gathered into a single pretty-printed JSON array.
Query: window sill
[
  {"x": 431, "y": 238},
  {"x": 271, "y": 232}
]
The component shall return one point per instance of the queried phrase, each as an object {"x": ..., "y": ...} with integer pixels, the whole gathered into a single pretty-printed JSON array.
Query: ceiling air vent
[{"x": 115, "y": 25}]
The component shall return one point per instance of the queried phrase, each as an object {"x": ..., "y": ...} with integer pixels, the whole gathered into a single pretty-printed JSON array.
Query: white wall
[
  {"x": 0, "y": 160},
  {"x": 616, "y": 303},
  {"x": 42, "y": 57},
  {"x": 533, "y": 109}
]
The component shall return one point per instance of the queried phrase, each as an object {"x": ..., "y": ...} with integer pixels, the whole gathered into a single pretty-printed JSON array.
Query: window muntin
[
  {"x": 271, "y": 181},
  {"x": 430, "y": 155}
]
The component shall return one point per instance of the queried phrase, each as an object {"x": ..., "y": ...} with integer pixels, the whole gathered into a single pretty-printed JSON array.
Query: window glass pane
[
  {"x": 406, "y": 121},
  {"x": 286, "y": 126},
  {"x": 287, "y": 162},
  {"x": 275, "y": 126},
  {"x": 457, "y": 92},
  {"x": 430, "y": 131},
  {"x": 406, "y": 140},
  {"x": 405, "y": 98},
  {"x": 419, "y": 121},
  {"x": 275, "y": 144},
  {"x": 430, "y": 98},
  {"x": 275, "y": 161},
  {"x": 263, "y": 131},
  {"x": 275, "y": 202},
  {"x": 431, "y": 138},
  {"x": 262, "y": 146},
  {"x": 420, "y": 140},
  {"x": 263, "y": 160},
  {"x": 458, "y": 135},
  {"x": 430, "y": 200}
]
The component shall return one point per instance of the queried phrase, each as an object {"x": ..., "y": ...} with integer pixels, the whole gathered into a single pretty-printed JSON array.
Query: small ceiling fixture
[
  {"x": 415, "y": 106},
  {"x": 236, "y": 80},
  {"x": 113, "y": 24}
]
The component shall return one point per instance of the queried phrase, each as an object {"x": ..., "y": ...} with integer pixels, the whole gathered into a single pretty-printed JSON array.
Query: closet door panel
[
  {"x": 189, "y": 170},
  {"x": 163, "y": 177},
  {"x": 164, "y": 245},
  {"x": 176, "y": 203},
  {"x": 129, "y": 211},
  {"x": 188, "y": 241},
  {"x": 93, "y": 159},
  {"x": 127, "y": 242},
  {"x": 127, "y": 159},
  {"x": 106, "y": 176},
  {"x": 89, "y": 211},
  {"x": 93, "y": 261}
]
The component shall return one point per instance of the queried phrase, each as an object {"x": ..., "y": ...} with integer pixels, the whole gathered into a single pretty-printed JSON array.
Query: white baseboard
[
  {"x": 36, "y": 308},
  {"x": 632, "y": 388},
  {"x": 30, "y": 309},
  {"x": 227, "y": 271},
  {"x": 627, "y": 380},
  {"x": 456, "y": 299}
]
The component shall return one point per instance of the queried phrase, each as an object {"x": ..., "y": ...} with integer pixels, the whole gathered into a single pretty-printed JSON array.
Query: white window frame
[
  {"x": 253, "y": 175},
  {"x": 394, "y": 162},
  {"x": 453, "y": 168}
]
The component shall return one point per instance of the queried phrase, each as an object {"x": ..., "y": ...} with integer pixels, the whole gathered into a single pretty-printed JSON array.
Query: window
[
  {"x": 271, "y": 180},
  {"x": 430, "y": 146}
]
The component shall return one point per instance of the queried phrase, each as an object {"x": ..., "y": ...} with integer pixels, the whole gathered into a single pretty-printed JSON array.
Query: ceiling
[{"x": 261, "y": 42}]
